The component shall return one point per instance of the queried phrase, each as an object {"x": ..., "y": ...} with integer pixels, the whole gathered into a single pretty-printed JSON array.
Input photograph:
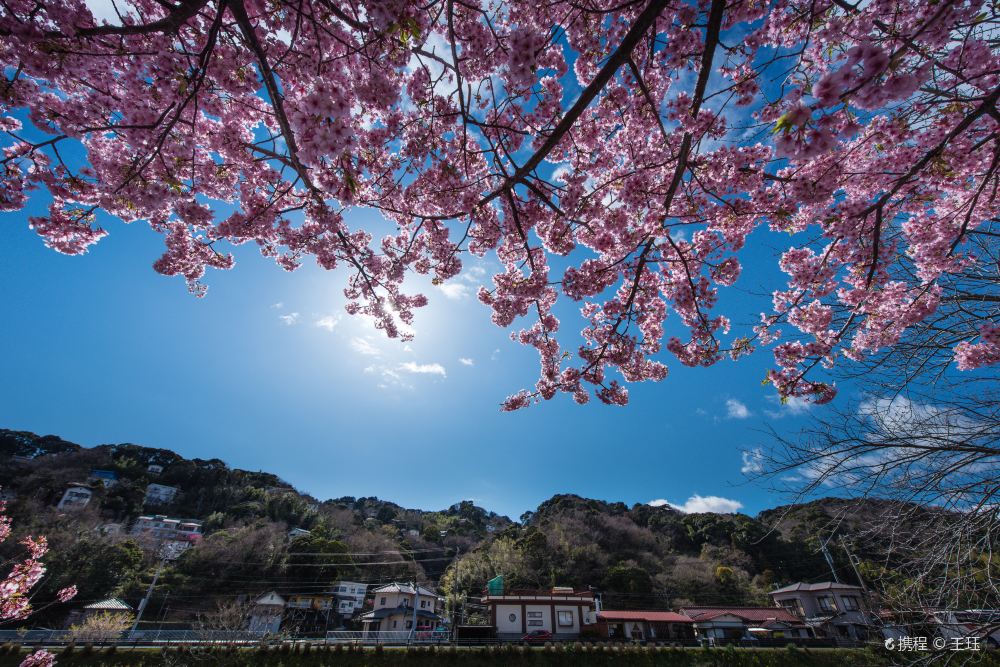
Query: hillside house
[
  {"x": 308, "y": 612},
  {"x": 266, "y": 614},
  {"x": 350, "y": 597},
  {"x": 729, "y": 624},
  {"x": 107, "y": 478},
  {"x": 561, "y": 611},
  {"x": 76, "y": 496},
  {"x": 154, "y": 469},
  {"x": 168, "y": 537},
  {"x": 396, "y": 606},
  {"x": 644, "y": 625},
  {"x": 108, "y": 606},
  {"x": 160, "y": 494},
  {"x": 297, "y": 532},
  {"x": 833, "y": 609}
]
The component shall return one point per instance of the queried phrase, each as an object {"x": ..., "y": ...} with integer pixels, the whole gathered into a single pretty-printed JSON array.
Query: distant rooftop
[{"x": 821, "y": 586}]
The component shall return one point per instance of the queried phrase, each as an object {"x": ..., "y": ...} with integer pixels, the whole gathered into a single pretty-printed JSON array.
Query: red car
[{"x": 537, "y": 636}]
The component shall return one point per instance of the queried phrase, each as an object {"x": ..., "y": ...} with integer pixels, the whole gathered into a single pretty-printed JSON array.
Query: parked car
[
  {"x": 439, "y": 633},
  {"x": 537, "y": 636}
]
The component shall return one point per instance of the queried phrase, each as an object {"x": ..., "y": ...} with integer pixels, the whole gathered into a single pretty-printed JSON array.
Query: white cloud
[
  {"x": 495, "y": 355},
  {"x": 697, "y": 504},
  {"x": 736, "y": 409},
  {"x": 465, "y": 361},
  {"x": 753, "y": 461},
  {"x": 289, "y": 319},
  {"x": 362, "y": 346},
  {"x": 454, "y": 291},
  {"x": 793, "y": 405},
  {"x": 278, "y": 305},
  {"x": 423, "y": 369},
  {"x": 328, "y": 322},
  {"x": 473, "y": 274}
]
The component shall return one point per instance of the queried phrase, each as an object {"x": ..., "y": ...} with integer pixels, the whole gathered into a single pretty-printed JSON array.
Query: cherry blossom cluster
[
  {"x": 614, "y": 161},
  {"x": 15, "y": 588}
]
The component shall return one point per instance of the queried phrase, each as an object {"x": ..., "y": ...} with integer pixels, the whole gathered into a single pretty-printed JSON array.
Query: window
[
  {"x": 395, "y": 623},
  {"x": 537, "y": 622},
  {"x": 534, "y": 614},
  {"x": 826, "y": 603},
  {"x": 793, "y": 607},
  {"x": 409, "y": 624},
  {"x": 566, "y": 618},
  {"x": 382, "y": 601},
  {"x": 423, "y": 603},
  {"x": 850, "y": 603}
]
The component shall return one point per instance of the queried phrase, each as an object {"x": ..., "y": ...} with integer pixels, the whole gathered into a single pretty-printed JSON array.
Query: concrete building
[
  {"x": 76, "y": 496},
  {"x": 160, "y": 494},
  {"x": 350, "y": 597},
  {"x": 832, "y": 609},
  {"x": 168, "y": 537},
  {"x": 561, "y": 611}
]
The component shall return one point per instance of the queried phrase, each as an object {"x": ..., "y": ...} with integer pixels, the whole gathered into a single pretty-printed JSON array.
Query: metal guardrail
[
  {"x": 138, "y": 636},
  {"x": 361, "y": 638},
  {"x": 387, "y": 637}
]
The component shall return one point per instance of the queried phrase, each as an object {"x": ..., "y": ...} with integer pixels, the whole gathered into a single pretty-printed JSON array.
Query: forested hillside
[
  {"x": 247, "y": 517},
  {"x": 638, "y": 556}
]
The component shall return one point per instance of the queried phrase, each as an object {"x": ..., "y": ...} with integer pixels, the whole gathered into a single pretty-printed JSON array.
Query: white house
[
  {"x": 396, "y": 605},
  {"x": 160, "y": 494},
  {"x": 350, "y": 597},
  {"x": 561, "y": 611},
  {"x": 297, "y": 532},
  {"x": 154, "y": 469},
  {"x": 76, "y": 496}
]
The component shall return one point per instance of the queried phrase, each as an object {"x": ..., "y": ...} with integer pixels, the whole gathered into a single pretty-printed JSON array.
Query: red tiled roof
[
  {"x": 753, "y": 614},
  {"x": 650, "y": 616}
]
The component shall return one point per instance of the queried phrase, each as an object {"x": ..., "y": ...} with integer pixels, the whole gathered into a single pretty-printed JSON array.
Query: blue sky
[{"x": 266, "y": 372}]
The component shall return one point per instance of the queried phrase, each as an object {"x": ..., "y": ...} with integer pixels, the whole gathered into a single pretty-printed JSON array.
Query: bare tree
[{"x": 229, "y": 616}]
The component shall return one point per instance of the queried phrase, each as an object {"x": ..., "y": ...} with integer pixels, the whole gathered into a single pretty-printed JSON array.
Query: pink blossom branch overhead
[
  {"x": 640, "y": 142},
  {"x": 15, "y": 588}
]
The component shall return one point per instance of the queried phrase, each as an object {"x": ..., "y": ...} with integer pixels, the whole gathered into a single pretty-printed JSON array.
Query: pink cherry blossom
[{"x": 615, "y": 161}]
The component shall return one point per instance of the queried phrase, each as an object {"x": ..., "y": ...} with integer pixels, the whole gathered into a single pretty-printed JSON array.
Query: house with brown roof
[
  {"x": 728, "y": 624},
  {"x": 397, "y": 605},
  {"x": 658, "y": 626},
  {"x": 833, "y": 609}
]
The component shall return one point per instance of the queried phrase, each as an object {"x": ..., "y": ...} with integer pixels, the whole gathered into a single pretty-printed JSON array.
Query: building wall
[
  {"x": 509, "y": 618},
  {"x": 544, "y": 616},
  {"x": 574, "y": 616}
]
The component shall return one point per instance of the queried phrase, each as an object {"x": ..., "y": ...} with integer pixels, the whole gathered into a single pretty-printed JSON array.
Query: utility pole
[
  {"x": 854, "y": 565},
  {"x": 829, "y": 560},
  {"x": 145, "y": 600},
  {"x": 413, "y": 623}
]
